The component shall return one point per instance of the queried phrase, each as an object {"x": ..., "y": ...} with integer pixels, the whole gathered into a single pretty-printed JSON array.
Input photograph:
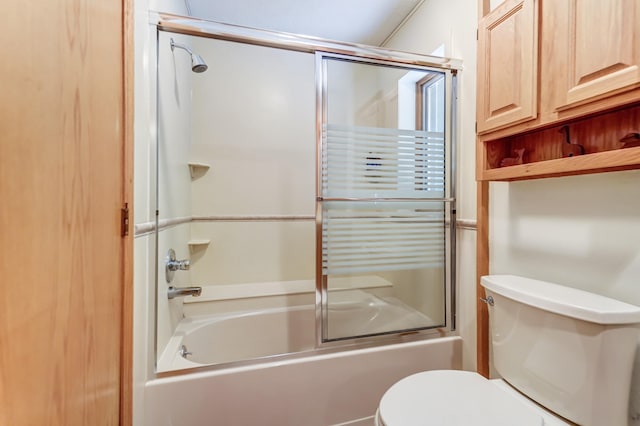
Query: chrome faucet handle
[
  {"x": 178, "y": 265},
  {"x": 172, "y": 265}
]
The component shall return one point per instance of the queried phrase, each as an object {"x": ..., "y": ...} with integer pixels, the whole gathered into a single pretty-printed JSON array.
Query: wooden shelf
[
  {"x": 600, "y": 137},
  {"x": 619, "y": 159}
]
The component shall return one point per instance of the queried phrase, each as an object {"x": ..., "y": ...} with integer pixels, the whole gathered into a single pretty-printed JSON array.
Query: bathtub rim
[{"x": 332, "y": 348}]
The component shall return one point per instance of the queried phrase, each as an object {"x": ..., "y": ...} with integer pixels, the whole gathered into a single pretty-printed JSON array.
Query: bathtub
[
  {"x": 245, "y": 335},
  {"x": 318, "y": 390},
  {"x": 312, "y": 387}
]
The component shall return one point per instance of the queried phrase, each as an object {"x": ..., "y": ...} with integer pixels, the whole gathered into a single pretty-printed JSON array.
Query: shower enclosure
[{"x": 310, "y": 186}]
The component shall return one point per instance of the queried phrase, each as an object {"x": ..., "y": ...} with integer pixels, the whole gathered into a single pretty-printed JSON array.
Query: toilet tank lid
[{"x": 562, "y": 300}]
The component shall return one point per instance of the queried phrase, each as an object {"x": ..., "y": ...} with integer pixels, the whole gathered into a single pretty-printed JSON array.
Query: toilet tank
[{"x": 569, "y": 350}]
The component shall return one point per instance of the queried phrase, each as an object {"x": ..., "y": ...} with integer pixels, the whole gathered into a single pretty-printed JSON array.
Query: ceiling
[{"x": 356, "y": 21}]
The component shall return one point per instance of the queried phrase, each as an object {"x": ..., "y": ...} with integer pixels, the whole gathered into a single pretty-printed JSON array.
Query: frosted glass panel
[
  {"x": 368, "y": 162},
  {"x": 374, "y": 237},
  {"x": 383, "y": 191}
]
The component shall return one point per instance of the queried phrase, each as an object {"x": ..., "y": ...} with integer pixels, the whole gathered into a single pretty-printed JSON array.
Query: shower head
[{"x": 197, "y": 63}]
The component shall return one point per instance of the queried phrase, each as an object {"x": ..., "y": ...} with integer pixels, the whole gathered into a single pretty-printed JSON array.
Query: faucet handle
[
  {"x": 178, "y": 265},
  {"x": 172, "y": 265}
]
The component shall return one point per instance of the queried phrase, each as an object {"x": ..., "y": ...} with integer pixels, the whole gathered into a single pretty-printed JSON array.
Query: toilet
[{"x": 565, "y": 356}]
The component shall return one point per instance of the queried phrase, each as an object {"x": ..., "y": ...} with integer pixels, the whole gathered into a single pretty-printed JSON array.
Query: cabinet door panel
[
  {"x": 507, "y": 46},
  {"x": 604, "y": 52}
]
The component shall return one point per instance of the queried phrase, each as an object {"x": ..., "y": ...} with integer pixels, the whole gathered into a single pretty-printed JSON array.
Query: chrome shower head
[{"x": 197, "y": 63}]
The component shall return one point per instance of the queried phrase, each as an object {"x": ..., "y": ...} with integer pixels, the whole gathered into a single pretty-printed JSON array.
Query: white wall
[
  {"x": 254, "y": 124},
  {"x": 580, "y": 231},
  {"x": 453, "y": 24},
  {"x": 175, "y": 81}
]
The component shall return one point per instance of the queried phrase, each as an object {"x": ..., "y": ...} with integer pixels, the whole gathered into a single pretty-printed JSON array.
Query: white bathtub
[
  {"x": 238, "y": 336},
  {"x": 318, "y": 390},
  {"x": 309, "y": 389}
]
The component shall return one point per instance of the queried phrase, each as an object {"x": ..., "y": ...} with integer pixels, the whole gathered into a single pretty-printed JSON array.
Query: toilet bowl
[
  {"x": 565, "y": 356},
  {"x": 450, "y": 397}
]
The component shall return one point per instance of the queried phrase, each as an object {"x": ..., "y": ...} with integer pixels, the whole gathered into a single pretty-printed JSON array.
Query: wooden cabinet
[
  {"x": 585, "y": 114},
  {"x": 586, "y": 62},
  {"x": 604, "y": 48},
  {"x": 507, "y": 60}
]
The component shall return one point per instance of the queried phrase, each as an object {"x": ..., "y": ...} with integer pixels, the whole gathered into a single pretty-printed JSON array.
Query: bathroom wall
[
  {"x": 174, "y": 180},
  {"x": 451, "y": 26},
  {"x": 254, "y": 124}
]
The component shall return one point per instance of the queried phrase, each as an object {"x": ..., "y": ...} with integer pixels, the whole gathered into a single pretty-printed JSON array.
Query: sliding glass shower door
[{"x": 384, "y": 198}]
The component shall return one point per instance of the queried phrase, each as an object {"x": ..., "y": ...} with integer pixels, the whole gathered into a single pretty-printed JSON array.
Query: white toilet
[{"x": 565, "y": 357}]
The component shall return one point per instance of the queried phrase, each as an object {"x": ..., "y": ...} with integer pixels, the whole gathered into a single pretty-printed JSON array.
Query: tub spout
[{"x": 183, "y": 291}]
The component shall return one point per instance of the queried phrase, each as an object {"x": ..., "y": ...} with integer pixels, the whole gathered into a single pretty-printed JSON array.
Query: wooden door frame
[
  {"x": 482, "y": 246},
  {"x": 126, "y": 349}
]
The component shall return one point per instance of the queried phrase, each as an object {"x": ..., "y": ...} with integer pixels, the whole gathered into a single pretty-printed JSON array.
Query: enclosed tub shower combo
[{"x": 305, "y": 205}]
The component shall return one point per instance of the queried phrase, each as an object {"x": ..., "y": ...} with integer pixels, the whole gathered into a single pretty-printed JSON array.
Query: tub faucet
[{"x": 183, "y": 291}]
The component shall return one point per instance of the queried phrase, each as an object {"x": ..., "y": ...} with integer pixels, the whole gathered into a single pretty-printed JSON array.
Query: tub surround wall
[
  {"x": 245, "y": 252},
  {"x": 174, "y": 180},
  {"x": 170, "y": 311},
  {"x": 254, "y": 124},
  {"x": 174, "y": 127}
]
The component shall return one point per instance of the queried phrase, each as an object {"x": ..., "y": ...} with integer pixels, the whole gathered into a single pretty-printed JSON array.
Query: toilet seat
[{"x": 451, "y": 398}]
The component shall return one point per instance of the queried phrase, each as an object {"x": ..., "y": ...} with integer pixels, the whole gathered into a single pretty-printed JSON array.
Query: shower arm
[
  {"x": 175, "y": 44},
  {"x": 198, "y": 64}
]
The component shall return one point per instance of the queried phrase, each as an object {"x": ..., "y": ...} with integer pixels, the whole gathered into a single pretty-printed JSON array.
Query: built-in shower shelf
[
  {"x": 197, "y": 245},
  {"x": 197, "y": 170}
]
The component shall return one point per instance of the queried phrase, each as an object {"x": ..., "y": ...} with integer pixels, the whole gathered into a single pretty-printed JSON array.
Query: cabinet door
[
  {"x": 507, "y": 65},
  {"x": 604, "y": 47}
]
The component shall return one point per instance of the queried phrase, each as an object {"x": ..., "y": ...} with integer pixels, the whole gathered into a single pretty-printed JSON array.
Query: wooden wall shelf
[
  {"x": 608, "y": 161},
  {"x": 599, "y": 136}
]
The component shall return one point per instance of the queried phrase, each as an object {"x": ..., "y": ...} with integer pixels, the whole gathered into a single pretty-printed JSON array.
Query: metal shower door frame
[{"x": 321, "y": 298}]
